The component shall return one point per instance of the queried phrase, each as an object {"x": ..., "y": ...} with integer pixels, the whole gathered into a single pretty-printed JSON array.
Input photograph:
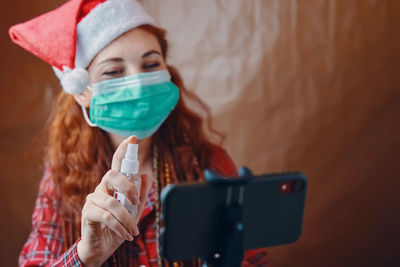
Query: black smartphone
[{"x": 272, "y": 213}]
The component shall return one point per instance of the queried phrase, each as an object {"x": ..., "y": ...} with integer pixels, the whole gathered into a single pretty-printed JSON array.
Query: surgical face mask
[{"x": 132, "y": 105}]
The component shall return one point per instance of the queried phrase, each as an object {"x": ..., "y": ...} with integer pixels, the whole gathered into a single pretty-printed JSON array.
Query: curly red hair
[{"x": 78, "y": 155}]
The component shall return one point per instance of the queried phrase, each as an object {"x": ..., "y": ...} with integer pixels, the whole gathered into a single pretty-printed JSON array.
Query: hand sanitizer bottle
[{"x": 130, "y": 169}]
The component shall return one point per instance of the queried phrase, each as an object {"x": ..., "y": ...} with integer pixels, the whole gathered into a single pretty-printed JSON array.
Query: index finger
[{"x": 120, "y": 152}]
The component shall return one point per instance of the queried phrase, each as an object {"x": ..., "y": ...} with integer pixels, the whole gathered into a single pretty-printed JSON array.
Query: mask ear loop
[{"x": 85, "y": 115}]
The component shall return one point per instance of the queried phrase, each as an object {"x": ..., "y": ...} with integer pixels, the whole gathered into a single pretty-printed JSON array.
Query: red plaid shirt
[{"x": 45, "y": 244}]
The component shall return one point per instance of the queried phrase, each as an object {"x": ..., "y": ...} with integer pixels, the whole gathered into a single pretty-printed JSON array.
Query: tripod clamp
[{"x": 231, "y": 241}]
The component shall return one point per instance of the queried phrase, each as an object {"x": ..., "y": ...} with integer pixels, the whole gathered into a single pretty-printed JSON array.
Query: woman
[{"x": 111, "y": 59}]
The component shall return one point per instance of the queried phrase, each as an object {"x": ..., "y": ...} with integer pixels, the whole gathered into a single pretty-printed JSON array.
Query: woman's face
[{"x": 134, "y": 52}]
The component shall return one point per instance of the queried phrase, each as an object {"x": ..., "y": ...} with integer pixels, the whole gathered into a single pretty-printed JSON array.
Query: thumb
[{"x": 144, "y": 191}]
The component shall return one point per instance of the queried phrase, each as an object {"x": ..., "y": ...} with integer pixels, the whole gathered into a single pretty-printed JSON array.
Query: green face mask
[{"x": 132, "y": 105}]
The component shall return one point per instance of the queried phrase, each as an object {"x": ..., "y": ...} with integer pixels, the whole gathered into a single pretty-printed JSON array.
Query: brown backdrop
[{"x": 305, "y": 85}]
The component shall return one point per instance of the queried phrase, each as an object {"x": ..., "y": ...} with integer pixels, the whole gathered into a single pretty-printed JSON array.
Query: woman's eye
[
  {"x": 112, "y": 72},
  {"x": 151, "y": 66}
]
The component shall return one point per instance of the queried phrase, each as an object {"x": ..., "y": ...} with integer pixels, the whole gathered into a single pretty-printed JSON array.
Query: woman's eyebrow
[
  {"x": 148, "y": 53},
  {"x": 114, "y": 59},
  {"x": 118, "y": 59}
]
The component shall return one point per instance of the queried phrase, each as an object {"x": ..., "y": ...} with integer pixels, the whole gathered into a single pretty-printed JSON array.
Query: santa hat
[{"x": 69, "y": 37}]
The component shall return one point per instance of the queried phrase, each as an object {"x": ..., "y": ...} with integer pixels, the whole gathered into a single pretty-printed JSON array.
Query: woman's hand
[{"x": 106, "y": 224}]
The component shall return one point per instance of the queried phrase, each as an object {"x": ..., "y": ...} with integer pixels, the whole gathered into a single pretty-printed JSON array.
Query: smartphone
[{"x": 192, "y": 213}]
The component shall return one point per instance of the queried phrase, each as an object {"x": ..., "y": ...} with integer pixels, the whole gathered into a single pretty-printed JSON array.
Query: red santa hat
[{"x": 69, "y": 37}]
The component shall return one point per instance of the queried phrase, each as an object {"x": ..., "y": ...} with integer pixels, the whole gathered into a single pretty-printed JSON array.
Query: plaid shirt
[{"x": 45, "y": 244}]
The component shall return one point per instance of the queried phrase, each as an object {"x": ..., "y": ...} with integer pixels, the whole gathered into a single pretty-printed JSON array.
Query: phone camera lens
[{"x": 298, "y": 186}]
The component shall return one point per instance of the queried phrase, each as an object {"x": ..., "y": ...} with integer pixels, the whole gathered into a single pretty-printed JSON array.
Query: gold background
[{"x": 311, "y": 85}]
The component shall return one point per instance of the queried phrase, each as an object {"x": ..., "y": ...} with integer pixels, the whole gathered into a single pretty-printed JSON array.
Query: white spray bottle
[{"x": 130, "y": 169}]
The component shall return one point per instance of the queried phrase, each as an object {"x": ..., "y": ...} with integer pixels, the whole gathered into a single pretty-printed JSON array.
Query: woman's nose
[{"x": 132, "y": 69}]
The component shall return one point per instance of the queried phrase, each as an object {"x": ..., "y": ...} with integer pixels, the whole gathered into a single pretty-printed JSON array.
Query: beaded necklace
[
  {"x": 155, "y": 170},
  {"x": 169, "y": 174},
  {"x": 157, "y": 204}
]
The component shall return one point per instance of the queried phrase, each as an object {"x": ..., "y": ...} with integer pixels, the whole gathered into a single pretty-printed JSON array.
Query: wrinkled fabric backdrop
[{"x": 306, "y": 85}]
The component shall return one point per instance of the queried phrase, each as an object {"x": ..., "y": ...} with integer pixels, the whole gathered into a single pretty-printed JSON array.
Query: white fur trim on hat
[
  {"x": 96, "y": 30},
  {"x": 105, "y": 23}
]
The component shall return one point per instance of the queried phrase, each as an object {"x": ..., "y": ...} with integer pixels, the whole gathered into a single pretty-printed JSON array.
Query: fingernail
[
  {"x": 135, "y": 231},
  {"x": 129, "y": 237}
]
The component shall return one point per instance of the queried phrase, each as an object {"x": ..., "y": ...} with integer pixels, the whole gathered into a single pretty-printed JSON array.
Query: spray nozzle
[
  {"x": 130, "y": 164},
  {"x": 132, "y": 152}
]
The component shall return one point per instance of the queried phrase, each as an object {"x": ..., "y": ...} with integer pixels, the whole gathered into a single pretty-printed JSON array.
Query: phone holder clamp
[{"x": 231, "y": 240}]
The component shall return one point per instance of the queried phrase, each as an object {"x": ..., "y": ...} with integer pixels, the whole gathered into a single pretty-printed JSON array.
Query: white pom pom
[{"x": 75, "y": 81}]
